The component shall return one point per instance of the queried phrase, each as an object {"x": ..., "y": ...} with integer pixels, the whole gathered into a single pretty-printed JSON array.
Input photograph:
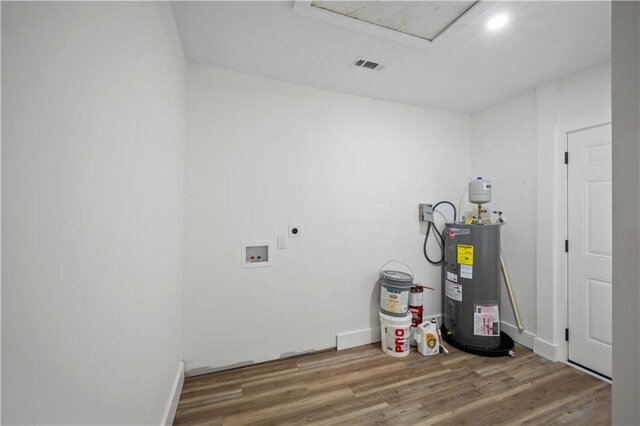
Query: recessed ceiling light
[{"x": 496, "y": 22}]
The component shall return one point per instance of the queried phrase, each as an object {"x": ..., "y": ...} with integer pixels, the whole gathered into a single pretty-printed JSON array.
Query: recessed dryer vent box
[{"x": 256, "y": 254}]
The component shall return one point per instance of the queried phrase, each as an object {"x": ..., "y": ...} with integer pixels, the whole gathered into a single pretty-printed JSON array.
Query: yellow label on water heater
[{"x": 465, "y": 254}]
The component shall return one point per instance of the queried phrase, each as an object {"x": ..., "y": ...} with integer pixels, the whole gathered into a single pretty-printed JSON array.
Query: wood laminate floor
[{"x": 363, "y": 386}]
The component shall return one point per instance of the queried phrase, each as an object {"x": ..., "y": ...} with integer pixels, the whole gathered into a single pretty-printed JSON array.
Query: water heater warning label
[
  {"x": 465, "y": 254},
  {"x": 486, "y": 320},
  {"x": 453, "y": 291},
  {"x": 466, "y": 271}
]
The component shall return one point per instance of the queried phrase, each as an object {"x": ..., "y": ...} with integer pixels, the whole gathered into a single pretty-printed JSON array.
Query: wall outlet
[
  {"x": 282, "y": 242},
  {"x": 294, "y": 231}
]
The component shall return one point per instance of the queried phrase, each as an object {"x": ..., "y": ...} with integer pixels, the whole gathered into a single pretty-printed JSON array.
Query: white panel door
[{"x": 590, "y": 240}]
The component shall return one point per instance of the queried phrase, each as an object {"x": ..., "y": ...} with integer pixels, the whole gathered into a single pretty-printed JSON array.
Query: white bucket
[{"x": 395, "y": 334}]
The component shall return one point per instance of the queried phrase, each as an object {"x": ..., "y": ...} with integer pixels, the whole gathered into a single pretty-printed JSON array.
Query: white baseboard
[
  {"x": 545, "y": 349},
  {"x": 174, "y": 397},
  {"x": 351, "y": 339},
  {"x": 525, "y": 338}
]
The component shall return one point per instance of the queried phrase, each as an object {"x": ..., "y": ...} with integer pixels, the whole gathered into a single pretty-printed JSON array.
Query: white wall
[
  {"x": 585, "y": 94},
  {"x": 503, "y": 149},
  {"x": 93, "y": 130},
  {"x": 262, "y": 155},
  {"x": 558, "y": 104},
  {"x": 625, "y": 409}
]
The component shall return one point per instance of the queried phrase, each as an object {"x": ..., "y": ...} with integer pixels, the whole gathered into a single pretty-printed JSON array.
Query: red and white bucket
[{"x": 395, "y": 334}]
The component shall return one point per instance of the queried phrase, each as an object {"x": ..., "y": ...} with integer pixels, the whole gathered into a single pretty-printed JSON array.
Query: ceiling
[{"x": 467, "y": 68}]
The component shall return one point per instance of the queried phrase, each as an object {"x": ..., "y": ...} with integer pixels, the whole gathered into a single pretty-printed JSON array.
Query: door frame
[{"x": 560, "y": 220}]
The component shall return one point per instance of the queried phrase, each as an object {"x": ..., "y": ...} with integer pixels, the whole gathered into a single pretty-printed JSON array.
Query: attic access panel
[{"x": 422, "y": 19}]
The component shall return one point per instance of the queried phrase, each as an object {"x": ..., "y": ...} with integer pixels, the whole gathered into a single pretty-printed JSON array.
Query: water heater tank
[
  {"x": 480, "y": 191},
  {"x": 471, "y": 283}
]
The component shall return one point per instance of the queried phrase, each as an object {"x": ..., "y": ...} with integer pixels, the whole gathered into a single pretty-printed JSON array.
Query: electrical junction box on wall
[{"x": 425, "y": 212}]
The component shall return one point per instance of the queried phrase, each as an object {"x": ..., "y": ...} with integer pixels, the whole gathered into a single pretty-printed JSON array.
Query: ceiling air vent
[{"x": 371, "y": 65}]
